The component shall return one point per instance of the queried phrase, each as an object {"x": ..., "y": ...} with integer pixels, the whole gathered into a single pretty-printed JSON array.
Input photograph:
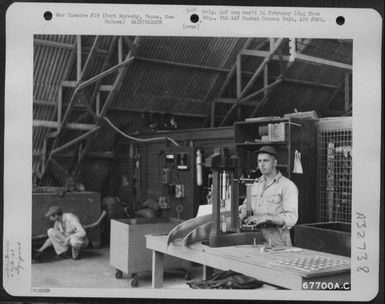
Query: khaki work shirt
[
  {"x": 279, "y": 197},
  {"x": 70, "y": 226}
]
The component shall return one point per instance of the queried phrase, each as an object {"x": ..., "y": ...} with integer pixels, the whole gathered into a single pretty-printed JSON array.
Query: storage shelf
[
  {"x": 247, "y": 139},
  {"x": 260, "y": 143},
  {"x": 282, "y": 165}
]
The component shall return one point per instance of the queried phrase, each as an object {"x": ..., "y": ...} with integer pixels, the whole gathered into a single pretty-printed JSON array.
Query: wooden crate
[{"x": 128, "y": 252}]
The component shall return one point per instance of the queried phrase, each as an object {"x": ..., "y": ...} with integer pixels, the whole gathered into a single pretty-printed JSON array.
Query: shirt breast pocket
[{"x": 273, "y": 203}]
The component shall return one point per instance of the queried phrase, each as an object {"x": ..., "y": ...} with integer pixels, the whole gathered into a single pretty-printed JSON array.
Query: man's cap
[
  {"x": 267, "y": 149},
  {"x": 53, "y": 210}
]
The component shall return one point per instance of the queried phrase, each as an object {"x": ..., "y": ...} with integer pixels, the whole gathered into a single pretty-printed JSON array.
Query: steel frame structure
[{"x": 274, "y": 53}]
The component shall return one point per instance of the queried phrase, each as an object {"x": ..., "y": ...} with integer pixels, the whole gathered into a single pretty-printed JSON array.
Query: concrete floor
[{"x": 93, "y": 270}]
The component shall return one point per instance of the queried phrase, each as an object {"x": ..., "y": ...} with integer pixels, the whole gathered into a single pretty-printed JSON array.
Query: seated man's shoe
[
  {"x": 75, "y": 254},
  {"x": 63, "y": 255},
  {"x": 76, "y": 257}
]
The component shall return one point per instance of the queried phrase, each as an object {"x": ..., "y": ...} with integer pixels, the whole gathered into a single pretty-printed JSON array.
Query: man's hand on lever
[
  {"x": 264, "y": 218},
  {"x": 258, "y": 219}
]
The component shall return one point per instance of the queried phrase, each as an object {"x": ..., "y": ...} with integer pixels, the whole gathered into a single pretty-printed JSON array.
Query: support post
[
  {"x": 347, "y": 91},
  {"x": 157, "y": 269},
  {"x": 274, "y": 49},
  {"x": 212, "y": 119},
  {"x": 120, "y": 49},
  {"x": 43, "y": 156},
  {"x": 79, "y": 58},
  {"x": 105, "y": 73},
  {"x": 265, "y": 79},
  {"x": 59, "y": 106},
  {"x": 98, "y": 103},
  {"x": 239, "y": 76},
  {"x": 260, "y": 69},
  {"x": 90, "y": 57},
  {"x": 207, "y": 272}
]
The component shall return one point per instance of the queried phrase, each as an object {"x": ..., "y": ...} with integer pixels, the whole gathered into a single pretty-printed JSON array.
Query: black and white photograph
[
  {"x": 204, "y": 165},
  {"x": 142, "y": 131}
]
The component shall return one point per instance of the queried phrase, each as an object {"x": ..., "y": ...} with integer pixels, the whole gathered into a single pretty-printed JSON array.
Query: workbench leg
[
  {"x": 207, "y": 272},
  {"x": 157, "y": 269}
]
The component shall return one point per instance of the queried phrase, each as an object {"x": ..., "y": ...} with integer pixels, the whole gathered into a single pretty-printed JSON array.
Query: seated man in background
[
  {"x": 66, "y": 233},
  {"x": 274, "y": 201}
]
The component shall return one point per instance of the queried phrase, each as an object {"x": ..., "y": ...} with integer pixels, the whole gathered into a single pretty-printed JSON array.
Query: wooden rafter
[
  {"x": 238, "y": 77},
  {"x": 81, "y": 73},
  {"x": 263, "y": 101},
  {"x": 322, "y": 61},
  {"x": 118, "y": 81},
  {"x": 56, "y": 110},
  {"x": 233, "y": 68},
  {"x": 59, "y": 106},
  {"x": 268, "y": 87},
  {"x": 76, "y": 140},
  {"x": 90, "y": 57},
  {"x": 120, "y": 49},
  {"x": 347, "y": 92},
  {"x": 53, "y": 44},
  {"x": 68, "y": 125},
  {"x": 59, "y": 166},
  {"x": 229, "y": 76},
  {"x": 232, "y": 100},
  {"x": 75, "y": 93},
  {"x": 98, "y": 84},
  {"x": 69, "y": 83},
  {"x": 300, "y": 57},
  {"x": 260, "y": 69},
  {"x": 115, "y": 88},
  {"x": 279, "y": 79},
  {"x": 94, "y": 155},
  {"x": 310, "y": 83},
  {"x": 263, "y": 54},
  {"x": 106, "y": 73},
  {"x": 87, "y": 106},
  {"x": 79, "y": 57},
  {"x": 131, "y": 45},
  {"x": 70, "y": 46},
  {"x": 260, "y": 91},
  {"x": 265, "y": 78},
  {"x": 238, "y": 102},
  {"x": 242, "y": 92},
  {"x": 183, "y": 65}
]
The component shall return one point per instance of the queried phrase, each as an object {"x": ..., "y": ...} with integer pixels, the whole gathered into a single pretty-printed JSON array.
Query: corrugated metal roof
[
  {"x": 163, "y": 87},
  {"x": 206, "y": 51}
]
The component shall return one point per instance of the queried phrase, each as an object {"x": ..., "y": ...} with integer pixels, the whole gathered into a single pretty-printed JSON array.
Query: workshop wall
[{"x": 147, "y": 181}]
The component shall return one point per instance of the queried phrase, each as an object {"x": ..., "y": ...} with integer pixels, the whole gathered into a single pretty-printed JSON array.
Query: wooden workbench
[{"x": 248, "y": 260}]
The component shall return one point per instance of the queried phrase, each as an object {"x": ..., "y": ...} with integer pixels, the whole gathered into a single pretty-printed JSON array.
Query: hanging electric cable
[{"x": 140, "y": 139}]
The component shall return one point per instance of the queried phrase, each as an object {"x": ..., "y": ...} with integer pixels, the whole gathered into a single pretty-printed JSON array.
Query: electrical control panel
[{"x": 178, "y": 179}]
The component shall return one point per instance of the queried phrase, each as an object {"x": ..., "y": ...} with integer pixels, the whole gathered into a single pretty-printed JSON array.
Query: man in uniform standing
[{"x": 274, "y": 201}]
